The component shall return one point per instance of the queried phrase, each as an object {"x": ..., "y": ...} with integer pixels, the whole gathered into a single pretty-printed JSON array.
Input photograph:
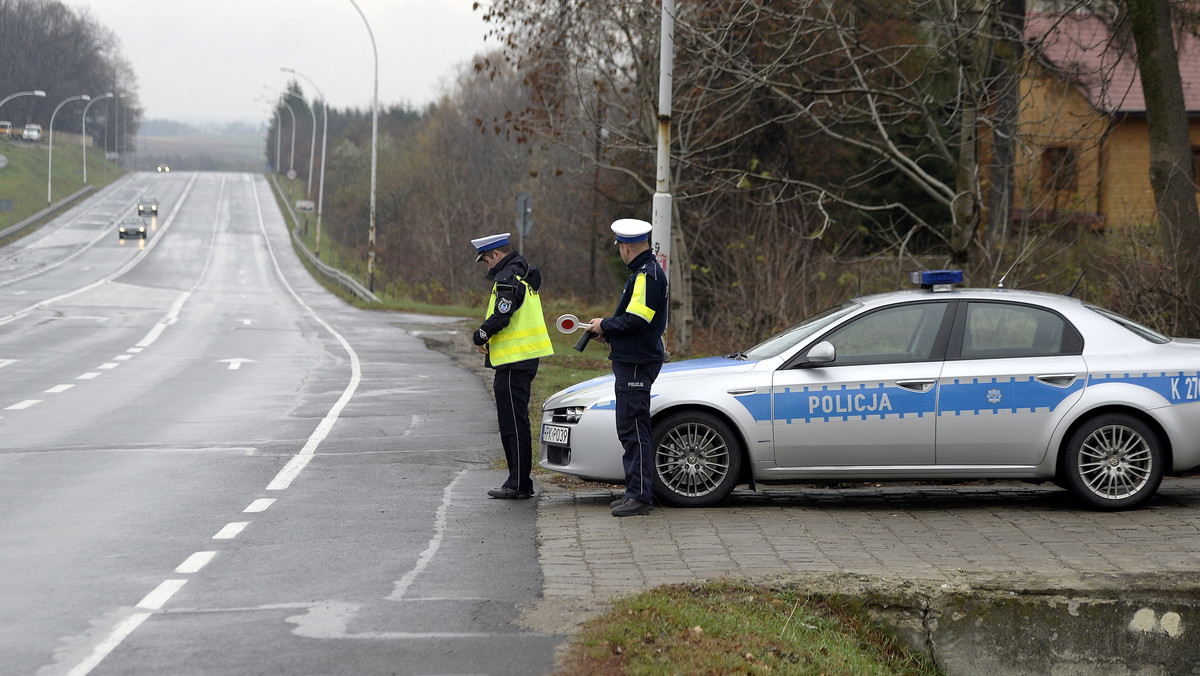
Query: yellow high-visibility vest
[{"x": 525, "y": 337}]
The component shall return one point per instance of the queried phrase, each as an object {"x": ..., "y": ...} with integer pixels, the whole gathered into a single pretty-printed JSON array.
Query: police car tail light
[{"x": 936, "y": 280}]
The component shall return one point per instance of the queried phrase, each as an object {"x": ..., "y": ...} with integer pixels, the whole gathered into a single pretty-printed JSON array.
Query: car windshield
[
  {"x": 778, "y": 343},
  {"x": 1142, "y": 331}
]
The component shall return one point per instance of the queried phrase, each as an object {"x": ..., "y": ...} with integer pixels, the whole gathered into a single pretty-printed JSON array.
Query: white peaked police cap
[
  {"x": 630, "y": 230},
  {"x": 485, "y": 244}
]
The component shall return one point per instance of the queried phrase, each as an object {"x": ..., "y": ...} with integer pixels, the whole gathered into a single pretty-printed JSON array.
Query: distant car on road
[
  {"x": 32, "y": 132},
  {"x": 6, "y": 129},
  {"x": 131, "y": 227},
  {"x": 938, "y": 384},
  {"x": 164, "y": 169},
  {"x": 147, "y": 205}
]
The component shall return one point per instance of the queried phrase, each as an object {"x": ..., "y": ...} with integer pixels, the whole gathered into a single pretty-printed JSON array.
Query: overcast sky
[{"x": 209, "y": 60}]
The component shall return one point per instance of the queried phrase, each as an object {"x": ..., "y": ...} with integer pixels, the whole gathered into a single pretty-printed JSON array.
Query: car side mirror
[{"x": 821, "y": 353}]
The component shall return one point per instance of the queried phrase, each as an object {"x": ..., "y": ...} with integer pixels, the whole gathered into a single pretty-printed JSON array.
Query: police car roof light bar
[{"x": 936, "y": 280}]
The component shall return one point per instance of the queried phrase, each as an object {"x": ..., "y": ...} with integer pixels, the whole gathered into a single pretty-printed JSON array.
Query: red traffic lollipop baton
[{"x": 570, "y": 324}]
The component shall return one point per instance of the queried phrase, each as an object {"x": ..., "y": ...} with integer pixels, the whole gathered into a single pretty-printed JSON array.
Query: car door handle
[
  {"x": 917, "y": 385},
  {"x": 1058, "y": 379}
]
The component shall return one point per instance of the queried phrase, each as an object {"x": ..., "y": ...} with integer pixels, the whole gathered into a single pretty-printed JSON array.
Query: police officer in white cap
[
  {"x": 513, "y": 337},
  {"x": 635, "y": 337}
]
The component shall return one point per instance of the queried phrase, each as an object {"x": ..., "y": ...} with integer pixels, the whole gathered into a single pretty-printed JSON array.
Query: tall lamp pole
[
  {"x": 83, "y": 132},
  {"x": 374, "y": 136},
  {"x": 661, "y": 204},
  {"x": 50, "y": 162},
  {"x": 324, "y": 136},
  {"x": 312, "y": 145}
]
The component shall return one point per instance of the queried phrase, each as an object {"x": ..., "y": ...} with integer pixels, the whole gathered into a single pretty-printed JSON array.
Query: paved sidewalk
[{"x": 893, "y": 533}]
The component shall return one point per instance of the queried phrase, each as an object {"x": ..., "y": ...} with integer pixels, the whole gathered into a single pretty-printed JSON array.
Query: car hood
[{"x": 600, "y": 389}]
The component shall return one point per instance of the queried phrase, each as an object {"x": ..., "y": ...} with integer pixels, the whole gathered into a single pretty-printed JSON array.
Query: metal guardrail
[
  {"x": 26, "y": 222},
  {"x": 331, "y": 273}
]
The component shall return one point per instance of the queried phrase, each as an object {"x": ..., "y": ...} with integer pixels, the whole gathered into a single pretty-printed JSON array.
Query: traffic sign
[
  {"x": 524, "y": 221},
  {"x": 291, "y": 174}
]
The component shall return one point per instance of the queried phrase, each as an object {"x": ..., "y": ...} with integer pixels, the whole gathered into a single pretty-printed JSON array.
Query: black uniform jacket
[{"x": 631, "y": 338}]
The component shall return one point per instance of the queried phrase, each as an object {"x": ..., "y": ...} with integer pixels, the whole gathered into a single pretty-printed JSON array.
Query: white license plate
[{"x": 556, "y": 434}]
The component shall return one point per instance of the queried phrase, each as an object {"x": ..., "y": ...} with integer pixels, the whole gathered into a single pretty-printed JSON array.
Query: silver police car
[{"x": 933, "y": 384}]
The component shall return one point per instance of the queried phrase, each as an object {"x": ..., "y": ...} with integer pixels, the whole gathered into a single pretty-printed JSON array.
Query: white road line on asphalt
[
  {"x": 259, "y": 505},
  {"x": 108, "y": 366},
  {"x": 58, "y": 389},
  {"x": 195, "y": 562},
  {"x": 299, "y": 461},
  {"x": 125, "y": 628},
  {"x": 88, "y": 376},
  {"x": 161, "y": 594},
  {"x": 439, "y": 534},
  {"x": 123, "y": 357},
  {"x": 6, "y": 362},
  {"x": 135, "y": 350},
  {"x": 231, "y": 530},
  {"x": 20, "y": 406}
]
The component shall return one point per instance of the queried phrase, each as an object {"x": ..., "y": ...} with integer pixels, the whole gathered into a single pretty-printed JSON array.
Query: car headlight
[{"x": 574, "y": 413}]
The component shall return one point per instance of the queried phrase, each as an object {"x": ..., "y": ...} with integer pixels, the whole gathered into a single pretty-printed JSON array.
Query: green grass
[
  {"x": 23, "y": 180},
  {"x": 726, "y": 628}
]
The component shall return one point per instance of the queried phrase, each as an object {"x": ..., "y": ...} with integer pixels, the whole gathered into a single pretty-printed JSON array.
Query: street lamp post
[
  {"x": 34, "y": 92},
  {"x": 83, "y": 132},
  {"x": 50, "y": 161},
  {"x": 312, "y": 145},
  {"x": 324, "y": 136},
  {"x": 374, "y": 136},
  {"x": 292, "y": 157}
]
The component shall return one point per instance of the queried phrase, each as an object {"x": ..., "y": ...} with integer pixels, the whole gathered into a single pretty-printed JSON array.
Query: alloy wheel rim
[
  {"x": 1115, "y": 462},
  {"x": 692, "y": 460}
]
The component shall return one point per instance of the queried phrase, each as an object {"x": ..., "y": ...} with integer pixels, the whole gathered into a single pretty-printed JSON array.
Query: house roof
[{"x": 1082, "y": 47}]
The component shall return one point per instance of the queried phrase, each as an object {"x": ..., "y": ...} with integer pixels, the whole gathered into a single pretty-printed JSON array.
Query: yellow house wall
[
  {"x": 1114, "y": 157},
  {"x": 1055, "y": 113}
]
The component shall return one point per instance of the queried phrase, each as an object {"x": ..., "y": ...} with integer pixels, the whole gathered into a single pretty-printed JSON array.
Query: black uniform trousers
[
  {"x": 512, "y": 385},
  {"x": 633, "y": 382}
]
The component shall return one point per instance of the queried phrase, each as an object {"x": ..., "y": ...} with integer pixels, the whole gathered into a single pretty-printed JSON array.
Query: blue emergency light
[{"x": 937, "y": 280}]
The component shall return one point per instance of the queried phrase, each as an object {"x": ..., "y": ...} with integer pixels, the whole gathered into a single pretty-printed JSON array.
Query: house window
[{"x": 1060, "y": 168}]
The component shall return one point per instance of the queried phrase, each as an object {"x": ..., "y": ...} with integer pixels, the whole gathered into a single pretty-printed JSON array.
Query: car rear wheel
[
  {"x": 1114, "y": 462},
  {"x": 697, "y": 459}
]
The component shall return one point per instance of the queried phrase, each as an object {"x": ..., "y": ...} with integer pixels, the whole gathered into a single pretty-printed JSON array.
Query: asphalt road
[{"x": 209, "y": 464}]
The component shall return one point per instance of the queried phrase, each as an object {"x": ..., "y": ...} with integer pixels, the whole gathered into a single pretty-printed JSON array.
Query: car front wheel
[
  {"x": 697, "y": 459},
  {"x": 1114, "y": 462}
]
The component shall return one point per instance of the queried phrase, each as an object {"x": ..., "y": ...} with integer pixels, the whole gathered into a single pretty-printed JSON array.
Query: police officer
[
  {"x": 513, "y": 337},
  {"x": 635, "y": 337}
]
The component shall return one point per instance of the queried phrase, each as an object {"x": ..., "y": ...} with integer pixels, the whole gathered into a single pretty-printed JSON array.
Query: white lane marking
[
  {"x": 231, "y": 530},
  {"x": 195, "y": 562},
  {"x": 259, "y": 505},
  {"x": 161, "y": 594},
  {"x": 6, "y": 362},
  {"x": 439, "y": 534},
  {"x": 236, "y": 362},
  {"x": 123, "y": 357},
  {"x": 108, "y": 366},
  {"x": 135, "y": 350},
  {"x": 58, "y": 389},
  {"x": 20, "y": 406},
  {"x": 122, "y": 630},
  {"x": 88, "y": 376}
]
